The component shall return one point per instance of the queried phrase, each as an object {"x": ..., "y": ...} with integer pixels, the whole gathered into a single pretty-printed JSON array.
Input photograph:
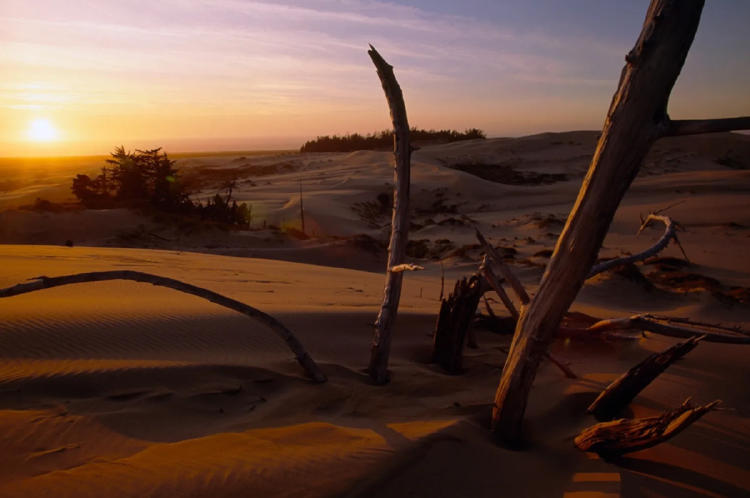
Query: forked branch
[{"x": 304, "y": 359}]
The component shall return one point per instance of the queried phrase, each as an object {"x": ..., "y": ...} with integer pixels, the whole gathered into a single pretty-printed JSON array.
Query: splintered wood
[
  {"x": 621, "y": 392},
  {"x": 622, "y": 436}
]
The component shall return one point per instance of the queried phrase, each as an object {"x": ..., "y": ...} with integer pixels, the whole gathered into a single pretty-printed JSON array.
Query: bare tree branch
[
  {"x": 670, "y": 233},
  {"x": 673, "y": 128},
  {"x": 43, "y": 282},
  {"x": 504, "y": 270},
  {"x": 489, "y": 275},
  {"x": 381, "y": 343},
  {"x": 661, "y": 325}
]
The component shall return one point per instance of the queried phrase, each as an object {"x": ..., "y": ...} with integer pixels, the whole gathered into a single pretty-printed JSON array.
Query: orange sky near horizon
[{"x": 82, "y": 77}]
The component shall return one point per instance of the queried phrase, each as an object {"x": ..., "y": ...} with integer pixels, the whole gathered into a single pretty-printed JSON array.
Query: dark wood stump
[{"x": 455, "y": 318}]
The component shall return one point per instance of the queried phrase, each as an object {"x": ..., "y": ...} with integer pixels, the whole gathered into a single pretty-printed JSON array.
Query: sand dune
[{"x": 124, "y": 389}]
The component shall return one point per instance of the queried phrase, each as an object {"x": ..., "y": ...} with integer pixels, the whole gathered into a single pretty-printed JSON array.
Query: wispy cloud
[{"x": 253, "y": 64}]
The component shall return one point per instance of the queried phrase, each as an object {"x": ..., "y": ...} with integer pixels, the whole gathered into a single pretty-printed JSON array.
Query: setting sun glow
[{"x": 41, "y": 130}]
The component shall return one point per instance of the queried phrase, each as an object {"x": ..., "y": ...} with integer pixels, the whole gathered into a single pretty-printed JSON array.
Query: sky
[{"x": 80, "y": 77}]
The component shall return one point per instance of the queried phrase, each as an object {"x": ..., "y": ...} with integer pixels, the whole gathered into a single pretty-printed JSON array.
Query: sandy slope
[{"x": 124, "y": 389}]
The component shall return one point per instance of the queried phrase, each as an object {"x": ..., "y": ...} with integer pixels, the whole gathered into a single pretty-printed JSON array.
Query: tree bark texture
[
  {"x": 304, "y": 359},
  {"x": 381, "y": 343},
  {"x": 634, "y": 121}
]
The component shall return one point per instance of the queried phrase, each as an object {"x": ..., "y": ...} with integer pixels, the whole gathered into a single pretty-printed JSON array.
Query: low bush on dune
[{"x": 148, "y": 178}]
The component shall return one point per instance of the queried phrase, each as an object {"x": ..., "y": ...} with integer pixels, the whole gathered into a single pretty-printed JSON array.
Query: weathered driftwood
[
  {"x": 662, "y": 326},
  {"x": 612, "y": 400},
  {"x": 304, "y": 359},
  {"x": 622, "y": 436},
  {"x": 381, "y": 343},
  {"x": 636, "y": 118},
  {"x": 486, "y": 271},
  {"x": 670, "y": 233},
  {"x": 455, "y": 318},
  {"x": 504, "y": 270}
]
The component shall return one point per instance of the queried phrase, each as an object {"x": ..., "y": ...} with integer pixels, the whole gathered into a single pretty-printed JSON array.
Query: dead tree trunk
[
  {"x": 286, "y": 335},
  {"x": 611, "y": 439},
  {"x": 621, "y": 392},
  {"x": 455, "y": 318},
  {"x": 636, "y": 118},
  {"x": 381, "y": 343}
]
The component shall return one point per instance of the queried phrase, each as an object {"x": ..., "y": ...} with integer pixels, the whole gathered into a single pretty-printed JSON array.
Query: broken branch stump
[
  {"x": 455, "y": 318},
  {"x": 621, "y": 392}
]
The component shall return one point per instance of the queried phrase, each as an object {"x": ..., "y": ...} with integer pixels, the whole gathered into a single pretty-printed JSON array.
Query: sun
[{"x": 41, "y": 130}]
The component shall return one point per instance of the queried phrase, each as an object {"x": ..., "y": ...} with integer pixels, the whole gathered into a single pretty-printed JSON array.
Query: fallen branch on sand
[
  {"x": 663, "y": 326},
  {"x": 43, "y": 282},
  {"x": 621, "y": 392},
  {"x": 670, "y": 233},
  {"x": 627, "y": 435}
]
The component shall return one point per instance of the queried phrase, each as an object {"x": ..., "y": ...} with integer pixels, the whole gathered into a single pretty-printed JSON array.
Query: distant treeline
[
  {"x": 148, "y": 178},
  {"x": 384, "y": 140}
]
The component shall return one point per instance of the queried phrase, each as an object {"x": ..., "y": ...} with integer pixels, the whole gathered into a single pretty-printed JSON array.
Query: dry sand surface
[{"x": 125, "y": 389}]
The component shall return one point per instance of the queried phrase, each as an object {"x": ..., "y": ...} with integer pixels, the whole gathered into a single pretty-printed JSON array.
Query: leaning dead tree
[
  {"x": 381, "y": 343},
  {"x": 304, "y": 359},
  {"x": 637, "y": 117}
]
